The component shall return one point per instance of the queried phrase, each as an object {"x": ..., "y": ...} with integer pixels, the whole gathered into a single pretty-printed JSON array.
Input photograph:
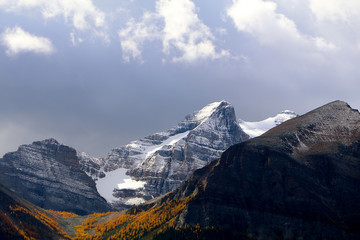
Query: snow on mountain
[
  {"x": 206, "y": 112},
  {"x": 254, "y": 129},
  {"x": 159, "y": 163},
  {"x": 116, "y": 179},
  {"x": 90, "y": 165},
  {"x": 145, "y": 168},
  {"x": 156, "y": 164}
]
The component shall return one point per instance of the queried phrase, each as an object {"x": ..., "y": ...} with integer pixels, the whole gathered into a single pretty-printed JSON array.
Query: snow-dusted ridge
[
  {"x": 206, "y": 111},
  {"x": 90, "y": 165},
  {"x": 254, "y": 129},
  {"x": 48, "y": 173},
  {"x": 156, "y": 164}
]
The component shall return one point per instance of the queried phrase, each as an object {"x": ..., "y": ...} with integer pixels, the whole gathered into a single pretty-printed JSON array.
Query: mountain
[
  {"x": 159, "y": 163},
  {"x": 53, "y": 176},
  {"x": 50, "y": 175},
  {"x": 299, "y": 180},
  {"x": 255, "y": 129}
]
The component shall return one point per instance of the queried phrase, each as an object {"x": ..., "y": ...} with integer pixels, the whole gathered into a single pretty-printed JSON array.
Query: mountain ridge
[
  {"x": 49, "y": 175},
  {"x": 165, "y": 159},
  {"x": 300, "y": 180},
  {"x": 130, "y": 174}
]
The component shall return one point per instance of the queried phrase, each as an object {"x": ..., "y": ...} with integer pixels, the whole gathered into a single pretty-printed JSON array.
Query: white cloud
[
  {"x": 16, "y": 41},
  {"x": 335, "y": 10},
  {"x": 82, "y": 14},
  {"x": 260, "y": 19},
  {"x": 184, "y": 31},
  {"x": 177, "y": 25},
  {"x": 135, "y": 34},
  {"x": 75, "y": 40}
]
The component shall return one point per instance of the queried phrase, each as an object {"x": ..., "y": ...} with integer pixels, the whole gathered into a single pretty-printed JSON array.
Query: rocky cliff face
[
  {"x": 49, "y": 175},
  {"x": 298, "y": 180},
  {"x": 162, "y": 161}
]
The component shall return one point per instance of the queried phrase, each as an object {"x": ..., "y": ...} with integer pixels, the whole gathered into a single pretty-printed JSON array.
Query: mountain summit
[{"x": 159, "y": 163}]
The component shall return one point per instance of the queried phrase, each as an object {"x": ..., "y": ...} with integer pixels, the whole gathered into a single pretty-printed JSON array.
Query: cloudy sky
[{"x": 97, "y": 74}]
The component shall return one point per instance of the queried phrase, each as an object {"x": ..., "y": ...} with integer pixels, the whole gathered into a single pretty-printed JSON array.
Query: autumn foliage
[
  {"x": 26, "y": 228},
  {"x": 131, "y": 225},
  {"x": 63, "y": 214},
  {"x": 156, "y": 222}
]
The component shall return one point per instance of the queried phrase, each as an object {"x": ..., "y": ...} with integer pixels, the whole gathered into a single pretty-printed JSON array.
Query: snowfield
[{"x": 254, "y": 129}]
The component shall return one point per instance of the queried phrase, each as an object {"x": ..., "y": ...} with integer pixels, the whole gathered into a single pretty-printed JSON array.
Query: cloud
[
  {"x": 176, "y": 24},
  {"x": 185, "y": 32},
  {"x": 221, "y": 31},
  {"x": 135, "y": 34},
  {"x": 82, "y": 14},
  {"x": 335, "y": 10},
  {"x": 260, "y": 19},
  {"x": 16, "y": 41}
]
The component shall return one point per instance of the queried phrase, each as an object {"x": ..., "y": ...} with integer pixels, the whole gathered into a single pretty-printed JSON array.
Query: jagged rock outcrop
[
  {"x": 300, "y": 180},
  {"x": 90, "y": 165},
  {"x": 164, "y": 160},
  {"x": 49, "y": 175}
]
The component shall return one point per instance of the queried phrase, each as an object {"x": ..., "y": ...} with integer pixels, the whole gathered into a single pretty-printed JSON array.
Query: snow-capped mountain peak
[
  {"x": 208, "y": 110},
  {"x": 160, "y": 162},
  {"x": 254, "y": 129}
]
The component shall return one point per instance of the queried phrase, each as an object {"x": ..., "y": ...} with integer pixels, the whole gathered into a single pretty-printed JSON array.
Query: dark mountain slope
[
  {"x": 299, "y": 180},
  {"x": 20, "y": 219},
  {"x": 49, "y": 175}
]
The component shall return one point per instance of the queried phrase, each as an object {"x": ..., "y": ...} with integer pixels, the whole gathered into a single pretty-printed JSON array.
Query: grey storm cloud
[{"x": 96, "y": 75}]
